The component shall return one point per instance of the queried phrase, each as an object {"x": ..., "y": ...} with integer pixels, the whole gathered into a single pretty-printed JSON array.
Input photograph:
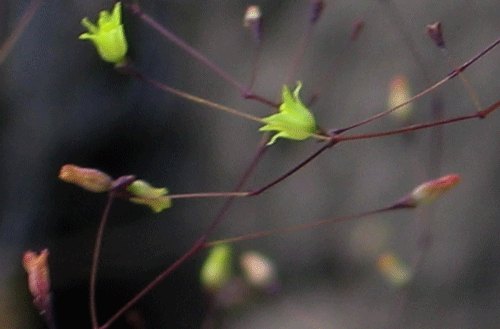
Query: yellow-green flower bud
[
  {"x": 145, "y": 194},
  {"x": 393, "y": 269},
  {"x": 294, "y": 120},
  {"x": 216, "y": 272},
  {"x": 108, "y": 36}
]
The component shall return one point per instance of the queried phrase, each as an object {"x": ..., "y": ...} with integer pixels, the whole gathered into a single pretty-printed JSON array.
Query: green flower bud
[
  {"x": 145, "y": 194},
  {"x": 294, "y": 120},
  {"x": 108, "y": 36},
  {"x": 216, "y": 272}
]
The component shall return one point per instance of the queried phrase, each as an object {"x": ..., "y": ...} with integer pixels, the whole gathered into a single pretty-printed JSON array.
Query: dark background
[{"x": 60, "y": 104}]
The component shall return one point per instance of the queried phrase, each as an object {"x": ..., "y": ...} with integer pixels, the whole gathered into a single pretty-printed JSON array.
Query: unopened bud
[
  {"x": 431, "y": 190},
  {"x": 252, "y": 15},
  {"x": 259, "y": 270},
  {"x": 436, "y": 33},
  {"x": 143, "y": 193},
  {"x": 38, "y": 273},
  {"x": 399, "y": 92},
  {"x": 393, "y": 269},
  {"x": 90, "y": 179},
  {"x": 253, "y": 21},
  {"x": 216, "y": 272}
]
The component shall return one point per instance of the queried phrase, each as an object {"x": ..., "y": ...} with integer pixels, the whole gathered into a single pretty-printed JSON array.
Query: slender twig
[
  {"x": 190, "y": 253},
  {"x": 95, "y": 261},
  {"x": 300, "y": 226},
  {"x": 478, "y": 115},
  {"x": 465, "y": 82},
  {"x": 135, "y": 73},
  {"x": 396, "y": 19},
  {"x": 208, "y": 195},
  {"x": 199, "y": 244},
  {"x": 316, "y": 9},
  {"x": 325, "y": 147},
  {"x": 334, "y": 139},
  {"x": 18, "y": 30},
  {"x": 135, "y": 9},
  {"x": 338, "y": 61},
  {"x": 450, "y": 76},
  {"x": 255, "y": 62}
]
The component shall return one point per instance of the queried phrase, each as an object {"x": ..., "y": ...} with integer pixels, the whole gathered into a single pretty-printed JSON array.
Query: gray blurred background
[{"x": 60, "y": 104}]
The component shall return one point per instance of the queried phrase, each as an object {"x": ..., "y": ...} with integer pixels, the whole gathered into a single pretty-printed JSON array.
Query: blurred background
[{"x": 61, "y": 104}]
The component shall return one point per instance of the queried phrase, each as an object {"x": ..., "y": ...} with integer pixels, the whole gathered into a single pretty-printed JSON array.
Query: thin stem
[
  {"x": 296, "y": 168},
  {"x": 334, "y": 139},
  {"x": 190, "y": 253},
  {"x": 208, "y": 195},
  {"x": 255, "y": 61},
  {"x": 381, "y": 114},
  {"x": 316, "y": 10},
  {"x": 327, "y": 78},
  {"x": 135, "y": 9},
  {"x": 450, "y": 76},
  {"x": 396, "y": 18},
  {"x": 297, "y": 56},
  {"x": 297, "y": 227},
  {"x": 465, "y": 82},
  {"x": 480, "y": 115},
  {"x": 95, "y": 261},
  {"x": 133, "y": 72},
  {"x": 18, "y": 30},
  {"x": 199, "y": 245}
]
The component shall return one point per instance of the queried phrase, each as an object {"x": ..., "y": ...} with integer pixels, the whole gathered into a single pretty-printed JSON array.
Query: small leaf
[{"x": 294, "y": 120}]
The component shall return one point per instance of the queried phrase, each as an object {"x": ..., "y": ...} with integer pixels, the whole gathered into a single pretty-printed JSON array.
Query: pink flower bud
[{"x": 429, "y": 191}]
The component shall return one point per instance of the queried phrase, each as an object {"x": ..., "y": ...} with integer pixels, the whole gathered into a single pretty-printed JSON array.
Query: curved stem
[
  {"x": 450, "y": 76},
  {"x": 294, "y": 170},
  {"x": 190, "y": 253},
  {"x": 199, "y": 245},
  {"x": 135, "y": 73},
  {"x": 134, "y": 8},
  {"x": 95, "y": 261},
  {"x": 479, "y": 115},
  {"x": 297, "y": 227},
  {"x": 208, "y": 195}
]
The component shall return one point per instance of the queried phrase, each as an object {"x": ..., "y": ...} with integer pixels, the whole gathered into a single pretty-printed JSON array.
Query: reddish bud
[
  {"x": 431, "y": 190},
  {"x": 92, "y": 180},
  {"x": 253, "y": 21},
  {"x": 39, "y": 283},
  {"x": 436, "y": 33}
]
